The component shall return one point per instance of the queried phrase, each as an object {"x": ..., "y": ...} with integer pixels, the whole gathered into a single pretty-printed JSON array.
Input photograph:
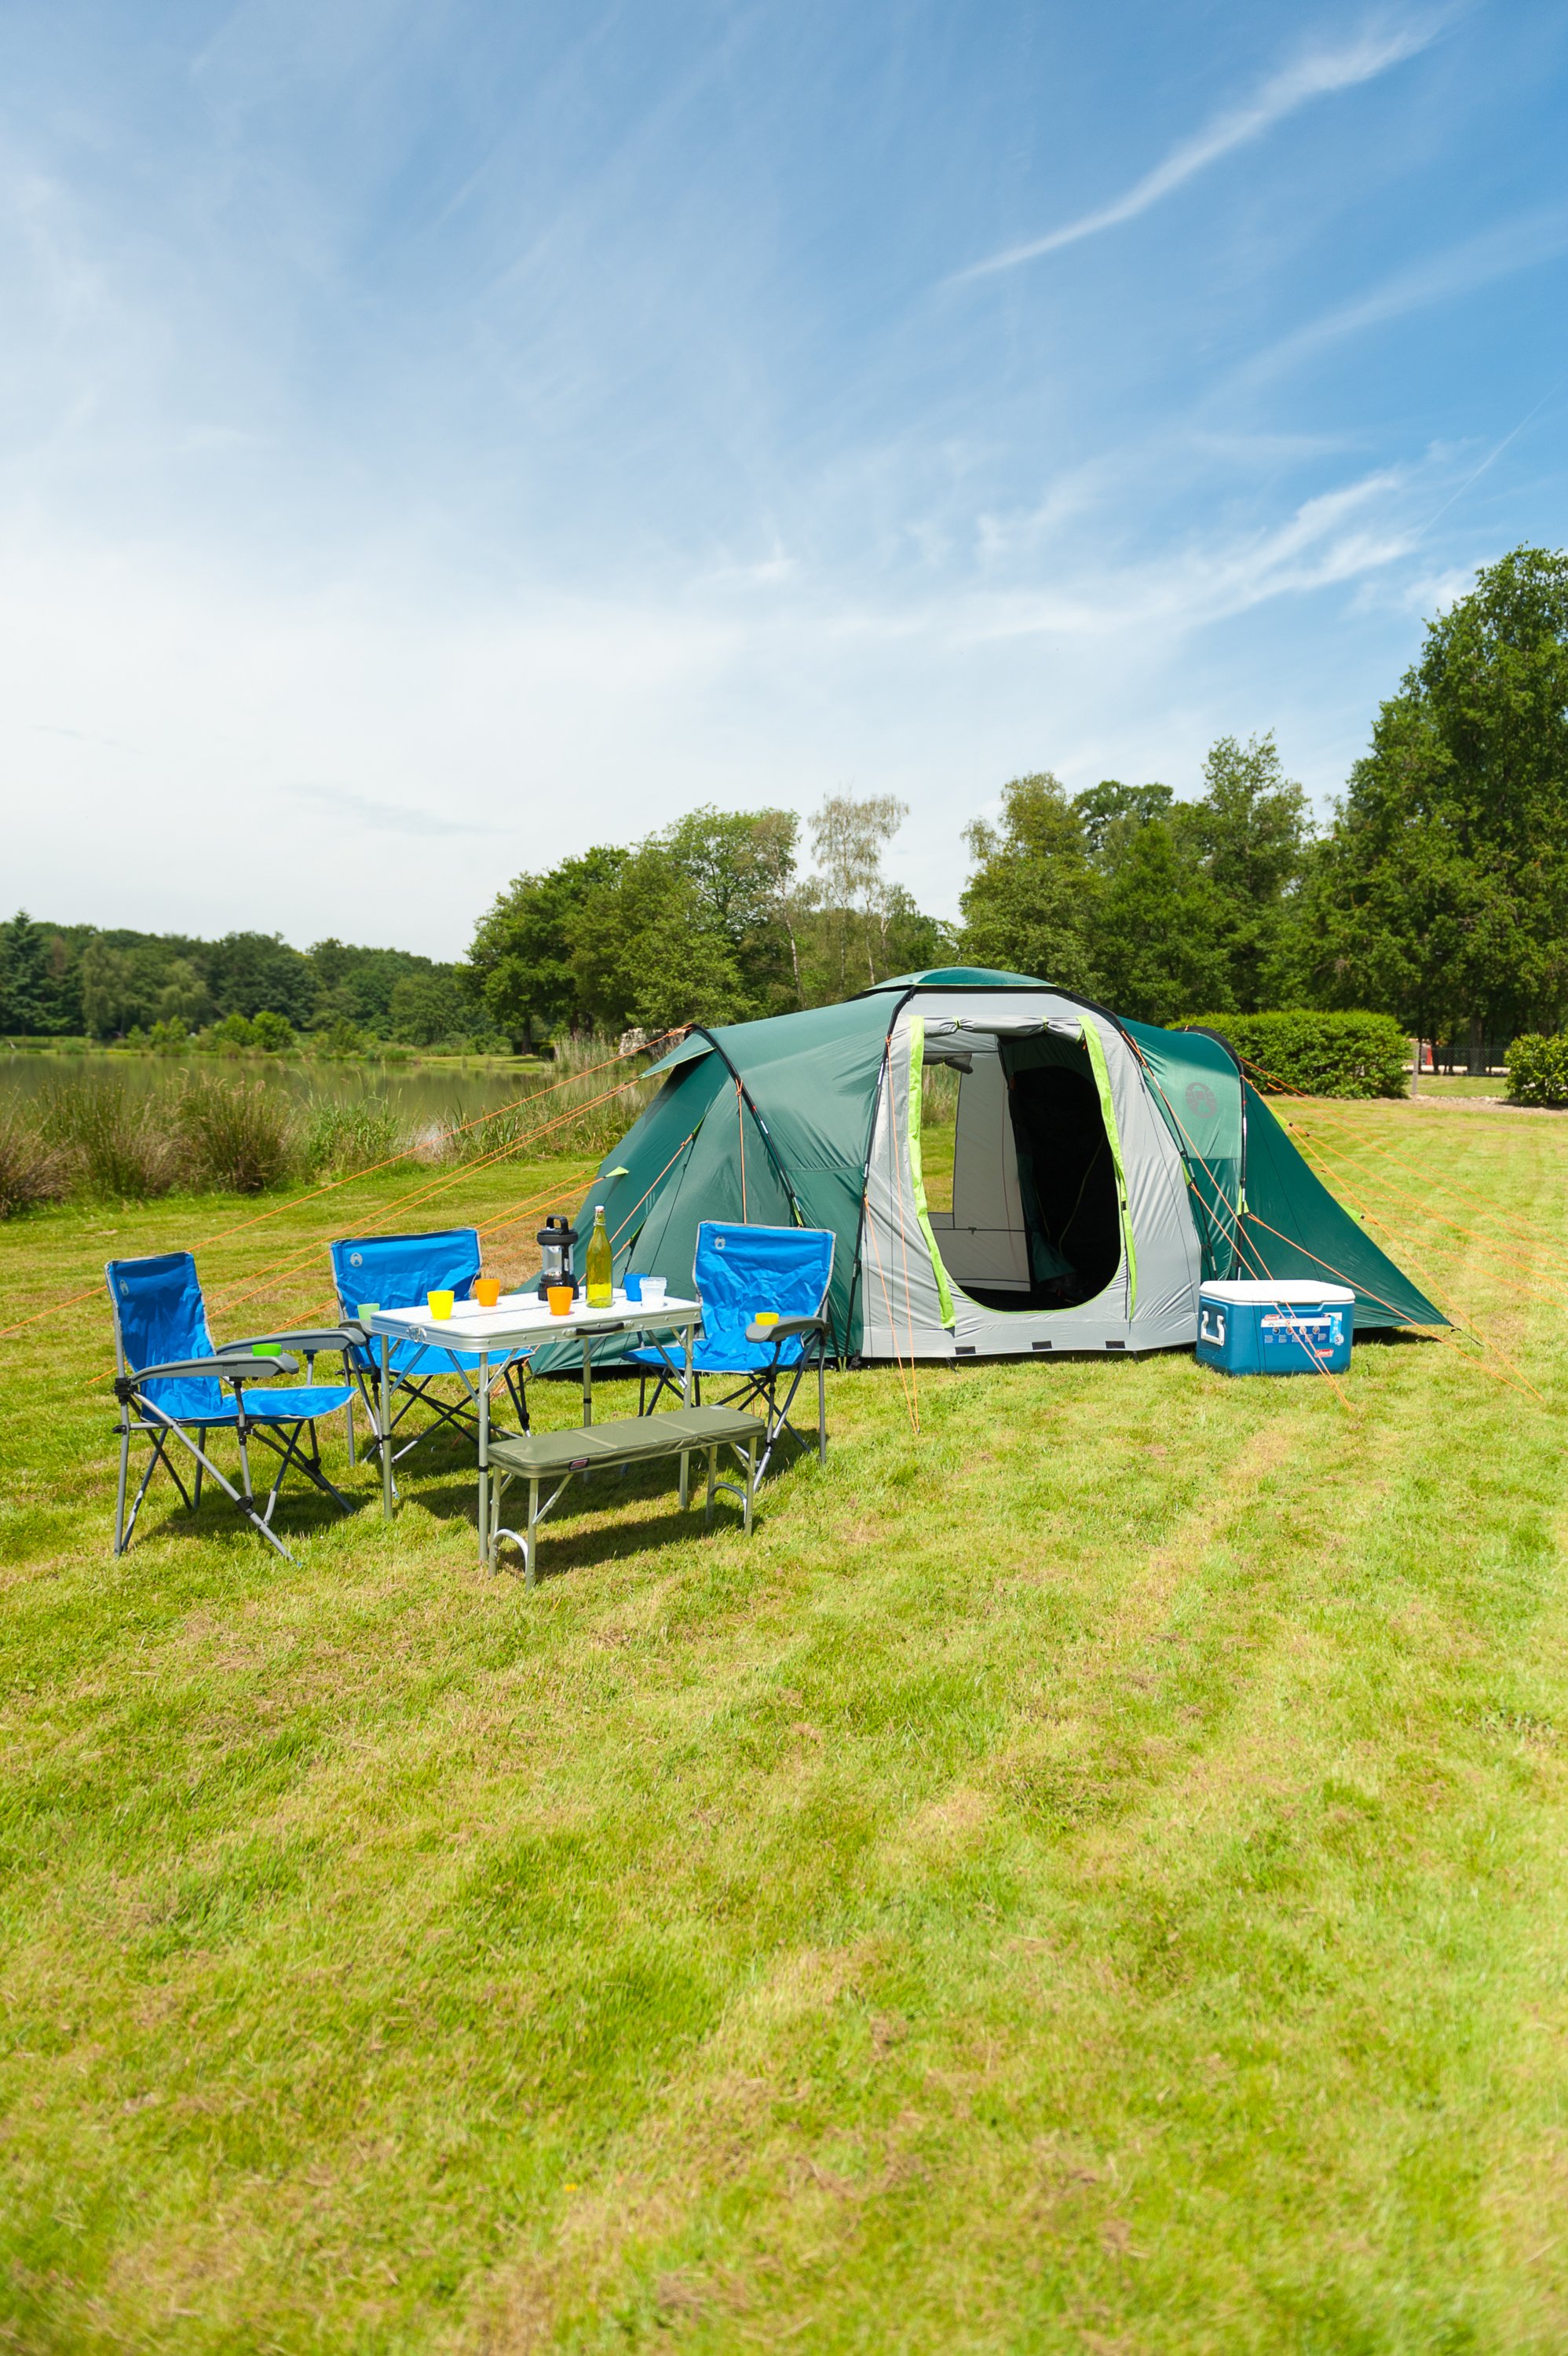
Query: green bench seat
[{"x": 542, "y": 1457}]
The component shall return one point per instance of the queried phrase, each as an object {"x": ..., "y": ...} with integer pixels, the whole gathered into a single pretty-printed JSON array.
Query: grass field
[{"x": 1093, "y": 1876}]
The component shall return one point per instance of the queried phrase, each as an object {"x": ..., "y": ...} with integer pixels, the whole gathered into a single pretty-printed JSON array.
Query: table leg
[
  {"x": 587, "y": 1380},
  {"x": 484, "y": 1458},
  {"x": 386, "y": 1431},
  {"x": 686, "y": 1401}
]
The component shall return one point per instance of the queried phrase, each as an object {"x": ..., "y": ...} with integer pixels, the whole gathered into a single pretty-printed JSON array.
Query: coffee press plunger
[{"x": 555, "y": 1239}]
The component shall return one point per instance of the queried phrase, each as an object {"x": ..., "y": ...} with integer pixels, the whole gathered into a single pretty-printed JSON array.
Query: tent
[{"x": 1101, "y": 1169}]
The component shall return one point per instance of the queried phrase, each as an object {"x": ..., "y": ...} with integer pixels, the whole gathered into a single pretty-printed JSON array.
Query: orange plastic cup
[
  {"x": 441, "y": 1303},
  {"x": 486, "y": 1291},
  {"x": 561, "y": 1298}
]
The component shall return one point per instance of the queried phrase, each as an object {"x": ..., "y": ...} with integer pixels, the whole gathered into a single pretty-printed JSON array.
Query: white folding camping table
[{"x": 519, "y": 1324}]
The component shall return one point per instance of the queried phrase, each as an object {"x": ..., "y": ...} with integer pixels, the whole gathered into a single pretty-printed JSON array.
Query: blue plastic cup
[{"x": 634, "y": 1286}]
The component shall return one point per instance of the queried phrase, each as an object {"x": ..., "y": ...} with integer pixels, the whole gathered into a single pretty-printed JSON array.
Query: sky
[{"x": 439, "y": 434}]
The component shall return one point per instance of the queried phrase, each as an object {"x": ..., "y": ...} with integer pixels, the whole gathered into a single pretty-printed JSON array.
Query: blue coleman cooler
[{"x": 1252, "y": 1328}]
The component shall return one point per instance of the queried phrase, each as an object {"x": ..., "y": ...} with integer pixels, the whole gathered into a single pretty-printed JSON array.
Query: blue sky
[{"x": 436, "y": 435}]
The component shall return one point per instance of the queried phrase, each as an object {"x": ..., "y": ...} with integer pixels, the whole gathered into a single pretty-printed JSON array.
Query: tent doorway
[{"x": 1035, "y": 1222}]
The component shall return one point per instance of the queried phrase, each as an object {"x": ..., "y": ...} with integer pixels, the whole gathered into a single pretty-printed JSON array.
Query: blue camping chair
[
  {"x": 397, "y": 1272},
  {"x": 170, "y": 1381},
  {"x": 738, "y": 1272}
]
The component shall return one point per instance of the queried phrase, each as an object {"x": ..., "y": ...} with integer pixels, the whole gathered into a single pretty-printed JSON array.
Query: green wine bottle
[{"x": 600, "y": 1267}]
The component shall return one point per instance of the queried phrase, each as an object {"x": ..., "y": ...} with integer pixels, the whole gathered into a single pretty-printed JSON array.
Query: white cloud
[
  {"x": 1319, "y": 74},
  {"x": 1459, "y": 270}
]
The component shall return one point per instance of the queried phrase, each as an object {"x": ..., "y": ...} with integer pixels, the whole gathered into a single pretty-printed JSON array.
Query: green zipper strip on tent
[
  {"x": 1095, "y": 1047},
  {"x": 917, "y": 1165}
]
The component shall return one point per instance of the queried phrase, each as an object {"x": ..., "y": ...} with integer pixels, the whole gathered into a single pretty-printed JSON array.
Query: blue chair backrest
[
  {"x": 159, "y": 1316},
  {"x": 399, "y": 1271},
  {"x": 739, "y": 1270}
]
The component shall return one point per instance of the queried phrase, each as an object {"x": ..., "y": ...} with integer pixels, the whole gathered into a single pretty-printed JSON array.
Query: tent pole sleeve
[
  {"x": 1095, "y": 1048},
  {"x": 916, "y": 1164}
]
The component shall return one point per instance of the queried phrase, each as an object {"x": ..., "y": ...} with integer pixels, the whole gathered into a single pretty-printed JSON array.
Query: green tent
[{"x": 1101, "y": 1170}]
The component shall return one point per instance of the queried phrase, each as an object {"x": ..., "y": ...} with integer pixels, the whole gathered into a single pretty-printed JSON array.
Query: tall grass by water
[{"x": 98, "y": 1137}]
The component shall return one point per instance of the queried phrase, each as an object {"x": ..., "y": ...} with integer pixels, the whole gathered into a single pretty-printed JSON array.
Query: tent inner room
[{"x": 1034, "y": 1221}]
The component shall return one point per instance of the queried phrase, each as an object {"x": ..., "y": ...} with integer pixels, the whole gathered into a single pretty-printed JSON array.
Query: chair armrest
[
  {"x": 787, "y": 1328},
  {"x": 234, "y": 1368},
  {"x": 307, "y": 1338}
]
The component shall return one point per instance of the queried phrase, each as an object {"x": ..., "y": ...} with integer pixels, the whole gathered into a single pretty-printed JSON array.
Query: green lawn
[{"x": 1093, "y": 1876}]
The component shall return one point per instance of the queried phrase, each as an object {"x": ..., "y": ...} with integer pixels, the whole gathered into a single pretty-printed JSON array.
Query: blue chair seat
[
  {"x": 267, "y": 1405},
  {"x": 720, "y": 1354}
]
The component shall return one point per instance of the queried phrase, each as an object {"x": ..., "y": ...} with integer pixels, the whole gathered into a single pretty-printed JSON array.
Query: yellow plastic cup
[
  {"x": 440, "y": 1305},
  {"x": 560, "y": 1297},
  {"x": 766, "y": 1317},
  {"x": 486, "y": 1291}
]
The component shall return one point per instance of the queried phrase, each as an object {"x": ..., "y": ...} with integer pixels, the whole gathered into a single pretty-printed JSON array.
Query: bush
[
  {"x": 1316, "y": 1054},
  {"x": 1537, "y": 1069},
  {"x": 272, "y": 1032},
  {"x": 114, "y": 1141},
  {"x": 30, "y": 1171},
  {"x": 235, "y": 1137}
]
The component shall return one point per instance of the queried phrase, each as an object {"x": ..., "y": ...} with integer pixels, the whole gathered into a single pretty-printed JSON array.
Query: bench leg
[
  {"x": 708, "y": 1514},
  {"x": 751, "y": 1484},
  {"x": 530, "y": 1541},
  {"x": 685, "y": 1478}
]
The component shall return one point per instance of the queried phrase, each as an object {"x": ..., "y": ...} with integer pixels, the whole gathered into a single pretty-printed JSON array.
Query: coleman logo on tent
[{"x": 1201, "y": 1100}]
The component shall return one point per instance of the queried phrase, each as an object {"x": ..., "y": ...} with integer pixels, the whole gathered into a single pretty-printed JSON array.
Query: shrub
[
  {"x": 30, "y": 1171},
  {"x": 237, "y": 1138},
  {"x": 114, "y": 1141},
  {"x": 1313, "y": 1054},
  {"x": 1537, "y": 1069},
  {"x": 232, "y": 1034},
  {"x": 273, "y": 1032}
]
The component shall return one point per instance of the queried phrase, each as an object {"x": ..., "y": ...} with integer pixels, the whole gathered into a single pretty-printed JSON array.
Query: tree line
[
  {"x": 1436, "y": 892},
  {"x": 74, "y": 980}
]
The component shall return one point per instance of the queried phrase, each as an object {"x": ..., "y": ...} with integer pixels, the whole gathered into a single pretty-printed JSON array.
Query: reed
[
  {"x": 114, "y": 1143},
  {"x": 31, "y": 1172}
]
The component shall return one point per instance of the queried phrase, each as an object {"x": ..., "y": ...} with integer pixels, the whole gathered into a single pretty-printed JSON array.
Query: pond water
[{"x": 418, "y": 1095}]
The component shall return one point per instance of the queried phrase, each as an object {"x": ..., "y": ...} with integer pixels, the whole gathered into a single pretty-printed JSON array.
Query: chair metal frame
[
  {"x": 762, "y": 1383},
  {"x": 259, "y": 1360}
]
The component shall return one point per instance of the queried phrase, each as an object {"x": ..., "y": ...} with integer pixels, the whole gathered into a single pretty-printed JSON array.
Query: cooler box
[{"x": 1256, "y": 1328}]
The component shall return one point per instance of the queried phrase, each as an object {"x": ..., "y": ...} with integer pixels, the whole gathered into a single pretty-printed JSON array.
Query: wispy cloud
[
  {"x": 1319, "y": 74},
  {"x": 1459, "y": 270},
  {"x": 382, "y": 818}
]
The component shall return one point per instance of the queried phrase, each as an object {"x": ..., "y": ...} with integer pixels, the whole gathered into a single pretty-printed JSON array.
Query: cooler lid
[{"x": 1255, "y": 1292}]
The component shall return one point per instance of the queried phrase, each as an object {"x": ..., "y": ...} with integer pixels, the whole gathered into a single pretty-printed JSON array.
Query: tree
[
  {"x": 428, "y": 1009},
  {"x": 252, "y": 973},
  {"x": 32, "y": 971},
  {"x": 1027, "y": 905},
  {"x": 1442, "y": 891},
  {"x": 848, "y": 838},
  {"x": 741, "y": 865},
  {"x": 521, "y": 962},
  {"x": 1161, "y": 931},
  {"x": 182, "y": 996},
  {"x": 1249, "y": 824},
  {"x": 646, "y": 952}
]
